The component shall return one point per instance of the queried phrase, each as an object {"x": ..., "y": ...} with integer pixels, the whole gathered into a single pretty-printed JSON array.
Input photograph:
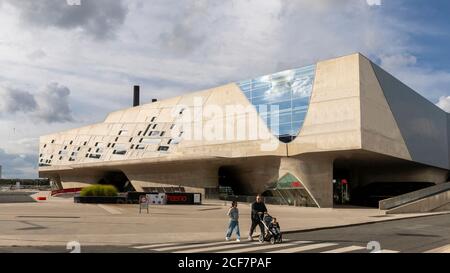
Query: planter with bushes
[{"x": 100, "y": 194}]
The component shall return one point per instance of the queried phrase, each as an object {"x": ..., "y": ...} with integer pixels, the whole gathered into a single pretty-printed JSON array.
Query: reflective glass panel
[{"x": 287, "y": 95}]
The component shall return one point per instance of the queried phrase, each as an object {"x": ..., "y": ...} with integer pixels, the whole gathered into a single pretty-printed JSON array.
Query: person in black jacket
[{"x": 258, "y": 211}]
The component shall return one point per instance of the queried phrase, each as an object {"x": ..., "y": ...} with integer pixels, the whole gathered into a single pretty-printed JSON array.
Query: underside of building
[{"x": 340, "y": 131}]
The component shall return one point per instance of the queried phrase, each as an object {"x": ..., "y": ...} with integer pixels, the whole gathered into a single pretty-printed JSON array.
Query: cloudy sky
[{"x": 64, "y": 66}]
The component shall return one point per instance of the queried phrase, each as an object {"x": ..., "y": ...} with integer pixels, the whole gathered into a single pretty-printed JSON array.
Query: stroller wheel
[
  {"x": 272, "y": 240},
  {"x": 261, "y": 239}
]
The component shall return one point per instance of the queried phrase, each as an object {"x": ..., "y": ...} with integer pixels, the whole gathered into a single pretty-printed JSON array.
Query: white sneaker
[
  {"x": 238, "y": 240},
  {"x": 250, "y": 238},
  {"x": 227, "y": 238}
]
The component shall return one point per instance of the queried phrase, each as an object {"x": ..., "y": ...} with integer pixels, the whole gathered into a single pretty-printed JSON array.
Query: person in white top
[{"x": 233, "y": 213}]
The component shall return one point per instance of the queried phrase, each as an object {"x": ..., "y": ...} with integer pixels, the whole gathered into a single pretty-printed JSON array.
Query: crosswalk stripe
[
  {"x": 178, "y": 246},
  {"x": 345, "y": 249},
  {"x": 389, "y": 251},
  {"x": 290, "y": 246},
  {"x": 442, "y": 249},
  {"x": 155, "y": 245},
  {"x": 182, "y": 247},
  {"x": 222, "y": 247},
  {"x": 303, "y": 248},
  {"x": 264, "y": 247},
  {"x": 200, "y": 247}
]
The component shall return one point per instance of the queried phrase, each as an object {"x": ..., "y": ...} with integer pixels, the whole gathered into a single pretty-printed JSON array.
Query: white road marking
[
  {"x": 304, "y": 248},
  {"x": 344, "y": 249},
  {"x": 205, "y": 247},
  {"x": 110, "y": 209},
  {"x": 155, "y": 245},
  {"x": 246, "y": 246},
  {"x": 182, "y": 247},
  {"x": 222, "y": 247},
  {"x": 442, "y": 249},
  {"x": 389, "y": 251},
  {"x": 264, "y": 247}
]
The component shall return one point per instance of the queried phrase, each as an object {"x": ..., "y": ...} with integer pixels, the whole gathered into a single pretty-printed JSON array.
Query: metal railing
[
  {"x": 413, "y": 196},
  {"x": 250, "y": 199},
  {"x": 24, "y": 187}
]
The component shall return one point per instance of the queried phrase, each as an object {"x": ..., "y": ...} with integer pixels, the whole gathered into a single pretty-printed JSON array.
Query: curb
[{"x": 361, "y": 224}]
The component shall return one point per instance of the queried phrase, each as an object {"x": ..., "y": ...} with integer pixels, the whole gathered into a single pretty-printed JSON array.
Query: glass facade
[{"x": 282, "y": 99}]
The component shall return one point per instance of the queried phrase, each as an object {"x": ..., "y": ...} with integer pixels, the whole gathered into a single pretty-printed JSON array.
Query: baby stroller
[{"x": 272, "y": 232}]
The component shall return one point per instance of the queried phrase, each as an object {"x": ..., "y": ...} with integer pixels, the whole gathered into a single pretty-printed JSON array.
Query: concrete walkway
[{"x": 58, "y": 221}]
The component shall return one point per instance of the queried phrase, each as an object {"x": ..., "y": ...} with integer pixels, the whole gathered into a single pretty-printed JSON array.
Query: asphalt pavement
[{"x": 416, "y": 235}]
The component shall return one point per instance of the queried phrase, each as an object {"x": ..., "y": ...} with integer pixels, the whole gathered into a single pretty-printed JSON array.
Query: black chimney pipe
[{"x": 136, "y": 96}]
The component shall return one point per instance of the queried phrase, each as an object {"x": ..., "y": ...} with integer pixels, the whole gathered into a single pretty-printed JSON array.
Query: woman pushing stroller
[{"x": 269, "y": 227}]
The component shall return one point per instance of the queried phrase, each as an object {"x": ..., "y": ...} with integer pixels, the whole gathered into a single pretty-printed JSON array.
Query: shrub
[{"x": 99, "y": 190}]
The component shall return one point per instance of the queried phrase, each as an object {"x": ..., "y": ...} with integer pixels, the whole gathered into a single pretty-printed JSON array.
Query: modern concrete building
[{"x": 340, "y": 124}]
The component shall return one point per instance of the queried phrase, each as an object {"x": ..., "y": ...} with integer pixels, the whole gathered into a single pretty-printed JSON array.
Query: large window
[{"x": 284, "y": 98}]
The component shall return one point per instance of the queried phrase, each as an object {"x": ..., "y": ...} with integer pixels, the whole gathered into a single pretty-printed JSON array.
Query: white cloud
[
  {"x": 53, "y": 103},
  {"x": 444, "y": 103},
  {"x": 398, "y": 60},
  {"x": 14, "y": 100},
  {"x": 98, "y": 18},
  {"x": 50, "y": 104},
  {"x": 37, "y": 55},
  {"x": 18, "y": 165},
  {"x": 171, "y": 47}
]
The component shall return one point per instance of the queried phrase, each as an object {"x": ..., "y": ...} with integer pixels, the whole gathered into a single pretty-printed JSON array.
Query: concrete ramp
[
  {"x": 432, "y": 199},
  {"x": 16, "y": 197}
]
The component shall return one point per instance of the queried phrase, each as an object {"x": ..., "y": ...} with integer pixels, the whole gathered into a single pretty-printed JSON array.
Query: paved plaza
[{"x": 57, "y": 221}]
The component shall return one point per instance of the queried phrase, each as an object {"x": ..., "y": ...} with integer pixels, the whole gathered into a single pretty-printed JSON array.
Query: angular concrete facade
[{"x": 344, "y": 115}]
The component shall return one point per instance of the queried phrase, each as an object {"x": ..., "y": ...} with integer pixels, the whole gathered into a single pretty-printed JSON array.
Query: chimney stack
[{"x": 136, "y": 96}]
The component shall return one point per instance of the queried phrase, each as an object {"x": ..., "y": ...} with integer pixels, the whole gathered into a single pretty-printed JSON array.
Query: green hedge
[{"x": 99, "y": 190}]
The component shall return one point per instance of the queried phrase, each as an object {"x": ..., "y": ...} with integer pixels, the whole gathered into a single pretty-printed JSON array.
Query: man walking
[{"x": 258, "y": 210}]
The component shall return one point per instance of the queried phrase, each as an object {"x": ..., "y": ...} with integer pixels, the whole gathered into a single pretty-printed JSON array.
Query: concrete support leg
[{"x": 315, "y": 173}]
